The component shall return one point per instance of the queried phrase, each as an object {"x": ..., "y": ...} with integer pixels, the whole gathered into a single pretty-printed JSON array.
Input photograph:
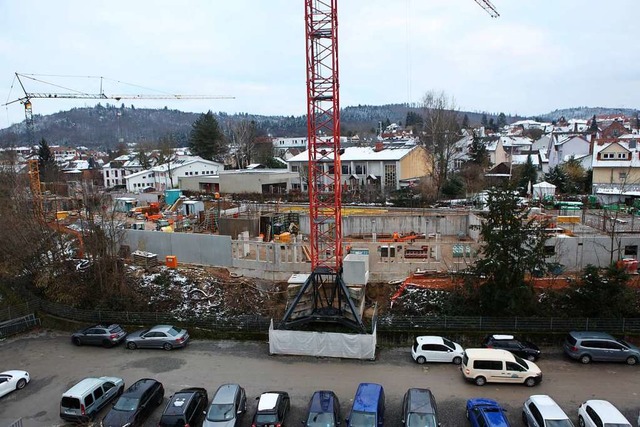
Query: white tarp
[
  {"x": 543, "y": 189},
  {"x": 323, "y": 344}
]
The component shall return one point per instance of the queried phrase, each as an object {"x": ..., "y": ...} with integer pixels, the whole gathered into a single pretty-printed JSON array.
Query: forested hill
[{"x": 104, "y": 126}]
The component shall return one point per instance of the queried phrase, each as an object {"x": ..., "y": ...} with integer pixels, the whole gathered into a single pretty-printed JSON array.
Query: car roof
[
  {"x": 607, "y": 412},
  {"x": 480, "y": 353},
  {"x": 502, "y": 337},
  {"x": 180, "y": 401},
  {"x": 161, "y": 328},
  {"x": 548, "y": 407},
  {"x": 366, "y": 399},
  {"x": 226, "y": 393},
  {"x": 139, "y": 387},
  {"x": 268, "y": 401},
  {"x": 430, "y": 339},
  {"x": 590, "y": 334},
  {"x": 491, "y": 410},
  {"x": 420, "y": 400},
  {"x": 322, "y": 401}
]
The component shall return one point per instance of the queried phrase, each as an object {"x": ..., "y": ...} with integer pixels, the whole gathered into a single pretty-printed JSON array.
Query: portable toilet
[{"x": 170, "y": 196}]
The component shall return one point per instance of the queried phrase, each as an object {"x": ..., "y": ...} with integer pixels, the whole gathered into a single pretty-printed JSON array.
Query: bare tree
[
  {"x": 167, "y": 154},
  {"x": 439, "y": 134},
  {"x": 244, "y": 134}
]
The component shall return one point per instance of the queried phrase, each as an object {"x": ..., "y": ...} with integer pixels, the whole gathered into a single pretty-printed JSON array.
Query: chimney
[
  {"x": 592, "y": 143},
  {"x": 379, "y": 147}
]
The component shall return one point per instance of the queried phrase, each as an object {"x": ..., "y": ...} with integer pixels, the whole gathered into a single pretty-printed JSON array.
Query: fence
[
  {"x": 17, "y": 325},
  {"x": 390, "y": 323}
]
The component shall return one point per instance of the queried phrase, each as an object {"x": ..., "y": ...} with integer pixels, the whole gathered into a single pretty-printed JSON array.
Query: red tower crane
[{"x": 326, "y": 297}]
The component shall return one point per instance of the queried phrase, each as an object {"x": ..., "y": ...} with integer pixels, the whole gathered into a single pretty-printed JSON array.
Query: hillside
[{"x": 101, "y": 127}]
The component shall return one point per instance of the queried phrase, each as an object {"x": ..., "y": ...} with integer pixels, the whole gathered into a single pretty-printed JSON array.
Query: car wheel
[
  {"x": 167, "y": 346},
  {"x": 131, "y": 345},
  {"x": 581, "y": 421},
  {"x": 21, "y": 383},
  {"x": 631, "y": 360},
  {"x": 77, "y": 341},
  {"x": 530, "y": 382},
  {"x": 421, "y": 360},
  {"x": 531, "y": 358},
  {"x": 480, "y": 381},
  {"x": 457, "y": 360},
  {"x": 585, "y": 359},
  {"x": 106, "y": 343}
]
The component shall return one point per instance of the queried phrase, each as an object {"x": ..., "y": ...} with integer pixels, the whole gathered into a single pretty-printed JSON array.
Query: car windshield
[
  {"x": 558, "y": 423},
  {"x": 421, "y": 420},
  {"x": 266, "y": 418},
  {"x": 362, "y": 419},
  {"x": 220, "y": 412},
  {"x": 626, "y": 344},
  {"x": 320, "y": 419},
  {"x": 449, "y": 343},
  {"x": 127, "y": 404},
  {"x": 175, "y": 331},
  {"x": 521, "y": 362},
  {"x": 616, "y": 425}
]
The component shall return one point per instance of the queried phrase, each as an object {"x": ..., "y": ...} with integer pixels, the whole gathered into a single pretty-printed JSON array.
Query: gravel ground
[{"x": 55, "y": 365}]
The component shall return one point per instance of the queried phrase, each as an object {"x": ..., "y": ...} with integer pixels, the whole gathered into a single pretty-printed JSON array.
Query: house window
[
  {"x": 361, "y": 169},
  {"x": 331, "y": 169},
  {"x": 115, "y": 173},
  {"x": 631, "y": 250},
  {"x": 622, "y": 175},
  {"x": 294, "y": 168},
  {"x": 549, "y": 250},
  {"x": 295, "y": 186},
  {"x": 607, "y": 155},
  {"x": 345, "y": 169},
  {"x": 107, "y": 174},
  {"x": 390, "y": 176},
  {"x": 196, "y": 172},
  {"x": 622, "y": 155}
]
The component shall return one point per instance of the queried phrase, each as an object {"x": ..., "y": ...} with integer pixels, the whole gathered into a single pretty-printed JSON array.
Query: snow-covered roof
[
  {"x": 354, "y": 154},
  {"x": 180, "y": 162},
  {"x": 633, "y": 159},
  {"x": 515, "y": 141},
  {"x": 544, "y": 184},
  {"x": 521, "y": 159}
]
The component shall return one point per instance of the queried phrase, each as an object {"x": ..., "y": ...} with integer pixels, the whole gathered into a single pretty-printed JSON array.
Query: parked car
[
  {"x": 482, "y": 365},
  {"x": 368, "y": 407},
  {"x": 272, "y": 409},
  {"x": 185, "y": 408},
  {"x": 590, "y": 346},
  {"x": 486, "y": 413},
  {"x": 436, "y": 349},
  {"x": 161, "y": 336},
  {"x": 228, "y": 404},
  {"x": 542, "y": 411},
  {"x": 597, "y": 413},
  {"x": 525, "y": 349},
  {"x": 419, "y": 408},
  {"x": 13, "y": 380},
  {"x": 83, "y": 401},
  {"x": 106, "y": 336},
  {"x": 136, "y": 404},
  {"x": 324, "y": 410}
]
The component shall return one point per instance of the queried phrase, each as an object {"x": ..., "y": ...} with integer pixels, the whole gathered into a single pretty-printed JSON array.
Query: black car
[
  {"x": 524, "y": 349},
  {"x": 272, "y": 410},
  {"x": 324, "y": 410},
  {"x": 185, "y": 408},
  {"x": 136, "y": 404},
  {"x": 106, "y": 336}
]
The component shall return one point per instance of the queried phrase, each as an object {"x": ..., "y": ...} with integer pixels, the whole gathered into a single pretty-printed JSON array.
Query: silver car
[
  {"x": 161, "y": 336},
  {"x": 229, "y": 403}
]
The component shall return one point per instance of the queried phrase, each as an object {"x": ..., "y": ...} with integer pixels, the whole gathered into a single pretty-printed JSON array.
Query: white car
[
  {"x": 13, "y": 380},
  {"x": 542, "y": 411},
  {"x": 436, "y": 349},
  {"x": 594, "y": 413}
]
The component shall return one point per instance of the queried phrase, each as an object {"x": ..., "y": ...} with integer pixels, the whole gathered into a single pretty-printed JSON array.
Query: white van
[
  {"x": 483, "y": 365},
  {"x": 83, "y": 401}
]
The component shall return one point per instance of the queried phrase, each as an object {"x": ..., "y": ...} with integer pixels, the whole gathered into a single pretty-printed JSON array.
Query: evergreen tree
[
  {"x": 603, "y": 293},
  {"x": 47, "y": 163},
  {"x": 557, "y": 177},
  {"x": 513, "y": 246},
  {"x": 206, "y": 139},
  {"x": 478, "y": 153},
  {"x": 413, "y": 119},
  {"x": 529, "y": 174},
  {"x": 484, "y": 121},
  {"x": 502, "y": 120},
  {"x": 465, "y": 122},
  {"x": 593, "y": 128}
]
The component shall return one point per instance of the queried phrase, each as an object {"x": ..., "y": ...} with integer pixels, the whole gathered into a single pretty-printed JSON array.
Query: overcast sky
[{"x": 537, "y": 56}]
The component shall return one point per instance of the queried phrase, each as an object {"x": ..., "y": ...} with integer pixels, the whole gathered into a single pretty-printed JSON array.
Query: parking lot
[{"x": 55, "y": 365}]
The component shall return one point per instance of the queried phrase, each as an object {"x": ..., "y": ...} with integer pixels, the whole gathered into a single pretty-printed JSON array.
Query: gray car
[
  {"x": 587, "y": 346},
  {"x": 228, "y": 404},
  {"x": 106, "y": 336},
  {"x": 161, "y": 336}
]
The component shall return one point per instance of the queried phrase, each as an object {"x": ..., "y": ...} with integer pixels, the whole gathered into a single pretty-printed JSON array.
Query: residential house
[
  {"x": 616, "y": 170},
  {"x": 114, "y": 172},
  {"x": 387, "y": 167},
  {"x": 563, "y": 148},
  {"x": 165, "y": 176}
]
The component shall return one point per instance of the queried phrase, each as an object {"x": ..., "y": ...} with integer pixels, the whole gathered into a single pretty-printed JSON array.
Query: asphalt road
[{"x": 55, "y": 365}]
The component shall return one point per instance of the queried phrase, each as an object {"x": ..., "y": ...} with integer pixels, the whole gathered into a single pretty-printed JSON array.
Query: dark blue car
[
  {"x": 368, "y": 406},
  {"x": 486, "y": 413},
  {"x": 324, "y": 410}
]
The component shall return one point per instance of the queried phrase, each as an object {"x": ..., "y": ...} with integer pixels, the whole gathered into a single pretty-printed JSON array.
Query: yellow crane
[{"x": 69, "y": 93}]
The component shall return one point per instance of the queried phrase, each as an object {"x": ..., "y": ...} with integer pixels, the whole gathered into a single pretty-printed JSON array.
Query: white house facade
[{"x": 165, "y": 176}]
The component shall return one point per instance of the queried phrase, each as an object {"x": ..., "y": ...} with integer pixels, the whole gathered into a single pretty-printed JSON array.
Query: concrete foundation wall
[
  {"x": 575, "y": 253},
  {"x": 205, "y": 249}
]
